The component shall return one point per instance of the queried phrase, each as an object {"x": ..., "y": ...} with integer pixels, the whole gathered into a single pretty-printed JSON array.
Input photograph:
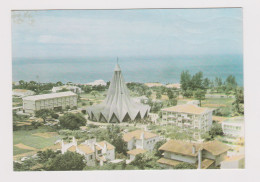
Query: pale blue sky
[{"x": 154, "y": 32}]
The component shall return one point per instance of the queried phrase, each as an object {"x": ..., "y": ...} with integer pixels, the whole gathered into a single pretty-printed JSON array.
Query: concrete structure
[
  {"x": 142, "y": 99},
  {"x": 234, "y": 162},
  {"x": 22, "y": 92},
  {"x": 49, "y": 101},
  {"x": 72, "y": 88},
  {"x": 97, "y": 82},
  {"x": 188, "y": 116},
  {"x": 139, "y": 142},
  {"x": 202, "y": 155},
  {"x": 154, "y": 84},
  {"x": 93, "y": 151},
  {"x": 118, "y": 106},
  {"x": 194, "y": 102},
  {"x": 234, "y": 127},
  {"x": 174, "y": 85},
  {"x": 153, "y": 117}
]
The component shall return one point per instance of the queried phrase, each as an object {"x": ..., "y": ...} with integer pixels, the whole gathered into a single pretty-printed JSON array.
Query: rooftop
[
  {"x": 187, "y": 108},
  {"x": 50, "y": 96},
  {"x": 215, "y": 147},
  {"x": 185, "y": 148},
  {"x": 72, "y": 149},
  {"x": 239, "y": 119},
  {"x": 206, "y": 163},
  {"x": 136, "y": 151},
  {"x": 137, "y": 135},
  {"x": 109, "y": 146},
  {"x": 169, "y": 162},
  {"x": 85, "y": 148},
  {"x": 180, "y": 147}
]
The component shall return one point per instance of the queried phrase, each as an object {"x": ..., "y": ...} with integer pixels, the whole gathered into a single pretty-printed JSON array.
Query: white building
[
  {"x": 22, "y": 92},
  {"x": 142, "y": 99},
  {"x": 49, "y": 101},
  {"x": 153, "y": 117},
  {"x": 174, "y": 85},
  {"x": 72, "y": 88},
  {"x": 234, "y": 162},
  {"x": 141, "y": 140},
  {"x": 97, "y": 82},
  {"x": 188, "y": 116},
  {"x": 202, "y": 155},
  {"x": 234, "y": 127},
  {"x": 93, "y": 151}
]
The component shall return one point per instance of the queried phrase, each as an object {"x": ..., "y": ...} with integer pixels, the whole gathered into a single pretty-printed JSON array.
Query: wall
[{"x": 183, "y": 158}]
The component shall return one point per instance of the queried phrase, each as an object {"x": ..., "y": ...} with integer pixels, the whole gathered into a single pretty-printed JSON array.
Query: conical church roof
[{"x": 118, "y": 105}]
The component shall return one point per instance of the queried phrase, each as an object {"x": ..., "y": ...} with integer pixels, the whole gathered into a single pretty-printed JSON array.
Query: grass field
[
  {"x": 218, "y": 102},
  {"x": 17, "y": 150},
  {"x": 27, "y": 138}
]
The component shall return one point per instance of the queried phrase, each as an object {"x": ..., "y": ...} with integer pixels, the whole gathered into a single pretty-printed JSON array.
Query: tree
[
  {"x": 54, "y": 115},
  {"x": 148, "y": 94},
  {"x": 206, "y": 83},
  {"x": 59, "y": 83},
  {"x": 94, "y": 93},
  {"x": 43, "y": 113},
  {"x": 200, "y": 95},
  {"x": 197, "y": 81},
  {"x": 170, "y": 94},
  {"x": 158, "y": 153},
  {"x": 72, "y": 121},
  {"x": 66, "y": 162},
  {"x": 187, "y": 93},
  {"x": 44, "y": 156},
  {"x": 184, "y": 165},
  {"x": 239, "y": 101},
  {"x": 230, "y": 84},
  {"x": 114, "y": 136},
  {"x": 145, "y": 160},
  {"x": 158, "y": 95},
  {"x": 215, "y": 130},
  {"x": 185, "y": 80}
]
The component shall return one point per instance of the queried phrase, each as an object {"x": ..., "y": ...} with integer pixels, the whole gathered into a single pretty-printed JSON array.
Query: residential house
[
  {"x": 140, "y": 141},
  {"x": 93, "y": 151},
  {"x": 203, "y": 155}
]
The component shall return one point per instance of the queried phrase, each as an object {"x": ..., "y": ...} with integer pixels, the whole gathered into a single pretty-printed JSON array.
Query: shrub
[
  {"x": 54, "y": 116},
  {"x": 72, "y": 121}
]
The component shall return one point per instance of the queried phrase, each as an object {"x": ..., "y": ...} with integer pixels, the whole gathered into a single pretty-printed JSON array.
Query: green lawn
[
  {"x": 17, "y": 150},
  {"x": 25, "y": 137}
]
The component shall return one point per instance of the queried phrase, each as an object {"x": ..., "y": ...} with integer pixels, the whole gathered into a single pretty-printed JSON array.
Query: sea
[{"x": 164, "y": 69}]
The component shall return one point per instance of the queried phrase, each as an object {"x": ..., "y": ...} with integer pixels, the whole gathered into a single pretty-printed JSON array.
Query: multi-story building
[
  {"x": 139, "y": 141},
  {"x": 233, "y": 127},
  {"x": 202, "y": 155},
  {"x": 49, "y": 101},
  {"x": 93, "y": 151},
  {"x": 188, "y": 116}
]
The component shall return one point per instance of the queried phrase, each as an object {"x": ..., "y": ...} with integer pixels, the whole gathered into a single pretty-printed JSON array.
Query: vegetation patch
[{"x": 46, "y": 135}]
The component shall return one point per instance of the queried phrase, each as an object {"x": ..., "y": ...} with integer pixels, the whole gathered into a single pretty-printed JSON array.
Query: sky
[{"x": 140, "y": 32}]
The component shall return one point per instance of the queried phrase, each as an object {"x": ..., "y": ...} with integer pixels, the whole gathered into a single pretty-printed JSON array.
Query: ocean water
[{"x": 134, "y": 69}]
